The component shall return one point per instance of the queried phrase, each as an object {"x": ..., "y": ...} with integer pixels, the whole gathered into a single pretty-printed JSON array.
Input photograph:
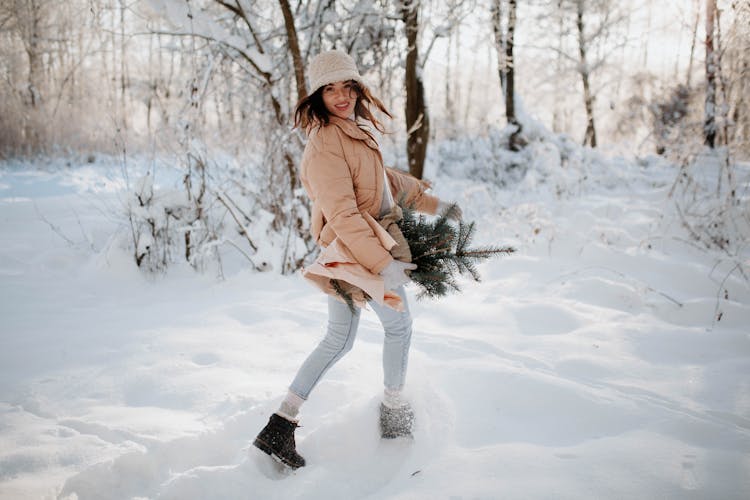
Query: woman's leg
[
  {"x": 277, "y": 437},
  {"x": 397, "y": 327},
  {"x": 396, "y": 415},
  {"x": 340, "y": 335}
]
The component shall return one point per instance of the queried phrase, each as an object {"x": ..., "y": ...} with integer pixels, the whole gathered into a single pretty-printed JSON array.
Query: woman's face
[{"x": 340, "y": 98}]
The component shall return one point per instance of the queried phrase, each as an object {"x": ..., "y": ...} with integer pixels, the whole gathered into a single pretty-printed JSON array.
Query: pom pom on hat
[{"x": 332, "y": 66}]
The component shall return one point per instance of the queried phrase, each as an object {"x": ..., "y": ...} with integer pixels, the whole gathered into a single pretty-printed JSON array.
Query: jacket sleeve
[
  {"x": 412, "y": 191},
  {"x": 333, "y": 190}
]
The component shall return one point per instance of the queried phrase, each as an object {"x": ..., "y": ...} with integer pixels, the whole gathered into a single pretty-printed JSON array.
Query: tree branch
[{"x": 241, "y": 226}]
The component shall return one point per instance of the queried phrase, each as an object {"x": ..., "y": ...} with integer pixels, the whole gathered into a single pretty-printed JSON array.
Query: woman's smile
[{"x": 340, "y": 98}]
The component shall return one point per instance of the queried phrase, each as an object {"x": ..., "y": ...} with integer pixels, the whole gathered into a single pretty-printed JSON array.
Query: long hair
[{"x": 311, "y": 110}]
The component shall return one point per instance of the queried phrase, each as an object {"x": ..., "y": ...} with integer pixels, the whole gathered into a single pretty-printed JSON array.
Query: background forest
[
  {"x": 213, "y": 83},
  {"x": 595, "y": 69}
]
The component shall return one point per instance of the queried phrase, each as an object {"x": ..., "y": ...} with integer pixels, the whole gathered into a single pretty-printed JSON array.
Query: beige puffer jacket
[{"x": 342, "y": 172}]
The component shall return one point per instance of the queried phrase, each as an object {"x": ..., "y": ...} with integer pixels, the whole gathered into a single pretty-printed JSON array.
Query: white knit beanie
[{"x": 332, "y": 66}]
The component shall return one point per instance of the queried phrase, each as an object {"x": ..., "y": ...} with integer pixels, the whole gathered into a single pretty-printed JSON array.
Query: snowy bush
[
  {"x": 669, "y": 117},
  {"x": 713, "y": 202},
  {"x": 484, "y": 158},
  {"x": 218, "y": 213},
  {"x": 549, "y": 162},
  {"x": 156, "y": 223}
]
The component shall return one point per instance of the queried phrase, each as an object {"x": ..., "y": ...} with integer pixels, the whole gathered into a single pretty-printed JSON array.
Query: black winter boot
[
  {"x": 277, "y": 439},
  {"x": 396, "y": 422}
]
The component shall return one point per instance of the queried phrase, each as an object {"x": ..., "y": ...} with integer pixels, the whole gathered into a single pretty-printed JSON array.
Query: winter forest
[{"x": 154, "y": 228}]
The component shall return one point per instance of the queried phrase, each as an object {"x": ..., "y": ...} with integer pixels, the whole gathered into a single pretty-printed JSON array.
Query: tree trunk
[
  {"x": 36, "y": 71},
  {"x": 742, "y": 107},
  {"x": 515, "y": 141},
  {"x": 450, "y": 109},
  {"x": 34, "y": 53},
  {"x": 467, "y": 107},
  {"x": 693, "y": 43},
  {"x": 723, "y": 84},
  {"x": 557, "y": 114},
  {"x": 151, "y": 82},
  {"x": 510, "y": 108},
  {"x": 291, "y": 34},
  {"x": 588, "y": 98},
  {"x": 647, "y": 35},
  {"x": 114, "y": 82},
  {"x": 104, "y": 63},
  {"x": 123, "y": 67},
  {"x": 709, "y": 122},
  {"x": 506, "y": 66},
  {"x": 497, "y": 30},
  {"x": 417, "y": 119},
  {"x": 740, "y": 115}
]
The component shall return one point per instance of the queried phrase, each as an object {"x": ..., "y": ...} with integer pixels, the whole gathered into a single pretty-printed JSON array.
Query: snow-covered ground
[{"x": 588, "y": 365}]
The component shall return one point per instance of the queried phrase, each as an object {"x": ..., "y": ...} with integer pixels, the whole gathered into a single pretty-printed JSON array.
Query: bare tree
[
  {"x": 709, "y": 121},
  {"x": 737, "y": 55},
  {"x": 693, "y": 39},
  {"x": 591, "y": 34},
  {"x": 450, "y": 88},
  {"x": 31, "y": 23},
  {"x": 417, "y": 118},
  {"x": 585, "y": 71},
  {"x": 291, "y": 34},
  {"x": 557, "y": 116},
  {"x": 27, "y": 20},
  {"x": 504, "y": 44},
  {"x": 510, "y": 63}
]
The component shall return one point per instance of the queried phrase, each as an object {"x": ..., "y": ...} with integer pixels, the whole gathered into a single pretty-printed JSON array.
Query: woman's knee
[
  {"x": 398, "y": 328},
  {"x": 340, "y": 336}
]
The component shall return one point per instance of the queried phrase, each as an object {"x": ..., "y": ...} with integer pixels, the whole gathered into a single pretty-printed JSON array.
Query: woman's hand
[
  {"x": 394, "y": 275},
  {"x": 454, "y": 214}
]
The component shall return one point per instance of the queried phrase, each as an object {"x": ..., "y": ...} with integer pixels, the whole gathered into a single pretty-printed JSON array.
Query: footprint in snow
[
  {"x": 205, "y": 358},
  {"x": 539, "y": 319}
]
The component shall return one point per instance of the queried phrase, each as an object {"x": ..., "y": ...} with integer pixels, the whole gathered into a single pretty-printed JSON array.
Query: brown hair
[{"x": 312, "y": 112}]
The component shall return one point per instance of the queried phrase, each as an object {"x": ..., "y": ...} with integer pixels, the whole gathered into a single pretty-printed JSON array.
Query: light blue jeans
[{"x": 339, "y": 338}]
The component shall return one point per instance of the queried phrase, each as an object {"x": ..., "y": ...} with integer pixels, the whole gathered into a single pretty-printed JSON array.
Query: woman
[{"x": 343, "y": 174}]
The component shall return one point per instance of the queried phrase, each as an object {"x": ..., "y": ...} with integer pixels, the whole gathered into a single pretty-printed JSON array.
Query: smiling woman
[
  {"x": 340, "y": 98},
  {"x": 350, "y": 189}
]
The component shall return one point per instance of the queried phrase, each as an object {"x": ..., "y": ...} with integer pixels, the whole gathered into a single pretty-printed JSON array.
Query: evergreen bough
[{"x": 441, "y": 251}]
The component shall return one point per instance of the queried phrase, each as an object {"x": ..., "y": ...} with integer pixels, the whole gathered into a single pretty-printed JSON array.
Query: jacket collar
[{"x": 350, "y": 128}]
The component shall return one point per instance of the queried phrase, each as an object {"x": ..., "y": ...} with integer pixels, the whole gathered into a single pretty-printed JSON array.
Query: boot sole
[
  {"x": 266, "y": 448},
  {"x": 397, "y": 436}
]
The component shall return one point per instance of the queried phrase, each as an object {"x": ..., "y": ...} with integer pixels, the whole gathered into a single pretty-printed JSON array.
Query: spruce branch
[{"x": 442, "y": 251}]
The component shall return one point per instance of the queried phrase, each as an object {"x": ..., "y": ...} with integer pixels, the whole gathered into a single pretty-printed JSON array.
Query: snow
[{"x": 590, "y": 364}]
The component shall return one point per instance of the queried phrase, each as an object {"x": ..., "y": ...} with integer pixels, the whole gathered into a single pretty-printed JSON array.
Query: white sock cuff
[
  {"x": 290, "y": 406},
  {"x": 392, "y": 398},
  {"x": 294, "y": 399}
]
